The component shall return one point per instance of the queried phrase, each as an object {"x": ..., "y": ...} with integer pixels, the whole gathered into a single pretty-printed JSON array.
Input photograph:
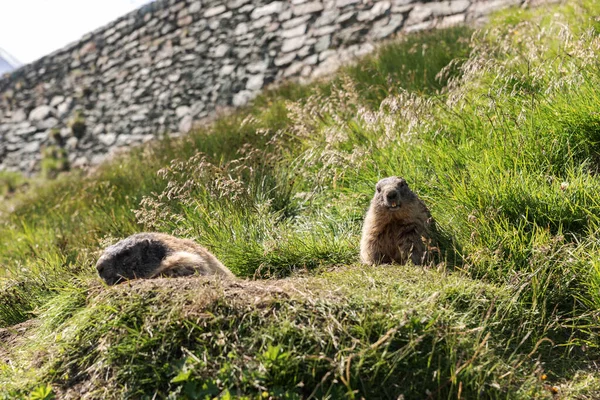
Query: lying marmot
[
  {"x": 148, "y": 255},
  {"x": 396, "y": 226}
]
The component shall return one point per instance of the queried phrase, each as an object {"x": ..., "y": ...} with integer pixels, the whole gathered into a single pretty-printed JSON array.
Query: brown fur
[
  {"x": 395, "y": 234},
  {"x": 149, "y": 255}
]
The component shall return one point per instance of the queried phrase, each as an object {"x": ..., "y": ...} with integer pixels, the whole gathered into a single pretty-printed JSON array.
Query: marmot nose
[
  {"x": 100, "y": 268},
  {"x": 391, "y": 195}
]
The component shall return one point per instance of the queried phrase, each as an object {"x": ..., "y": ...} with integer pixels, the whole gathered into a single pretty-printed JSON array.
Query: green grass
[{"x": 504, "y": 150}]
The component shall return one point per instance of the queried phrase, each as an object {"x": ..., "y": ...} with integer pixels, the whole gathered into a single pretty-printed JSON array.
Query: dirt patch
[
  {"x": 253, "y": 292},
  {"x": 13, "y": 336}
]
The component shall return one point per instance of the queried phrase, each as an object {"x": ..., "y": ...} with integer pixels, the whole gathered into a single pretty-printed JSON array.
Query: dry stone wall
[{"x": 172, "y": 62}]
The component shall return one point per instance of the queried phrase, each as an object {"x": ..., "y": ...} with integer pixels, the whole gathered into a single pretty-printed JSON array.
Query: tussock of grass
[
  {"x": 329, "y": 336},
  {"x": 503, "y": 150}
]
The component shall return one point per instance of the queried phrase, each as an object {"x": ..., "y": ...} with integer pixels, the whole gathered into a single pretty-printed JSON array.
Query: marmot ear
[{"x": 145, "y": 244}]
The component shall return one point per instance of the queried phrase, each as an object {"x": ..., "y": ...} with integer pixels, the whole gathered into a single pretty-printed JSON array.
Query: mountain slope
[{"x": 7, "y": 62}]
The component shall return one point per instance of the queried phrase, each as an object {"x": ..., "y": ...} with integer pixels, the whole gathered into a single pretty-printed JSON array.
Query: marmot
[
  {"x": 397, "y": 225},
  {"x": 148, "y": 255}
]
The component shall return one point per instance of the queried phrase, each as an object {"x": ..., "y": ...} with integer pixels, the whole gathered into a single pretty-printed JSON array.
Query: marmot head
[
  {"x": 134, "y": 257},
  {"x": 392, "y": 194}
]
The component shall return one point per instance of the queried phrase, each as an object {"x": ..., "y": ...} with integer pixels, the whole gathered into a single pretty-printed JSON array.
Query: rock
[
  {"x": 214, "y": 11},
  {"x": 98, "y": 130},
  {"x": 271, "y": 8},
  {"x": 197, "y": 108},
  {"x": 256, "y": 67},
  {"x": 64, "y": 107},
  {"x": 381, "y": 30},
  {"x": 48, "y": 123},
  {"x": 293, "y": 32},
  {"x": 56, "y": 100},
  {"x": 308, "y": 8},
  {"x": 226, "y": 70},
  {"x": 344, "y": 3},
  {"x": 323, "y": 43},
  {"x": 195, "y": 7},
  {"x": 285, "y": 59},
  {"x": 18, "y": 116},
  {"x": 293, "y": 44},
  {"x": 242, "y": 98},
  {"x": 185, "y": 125},
  {"x": 255, "y": 82},
  {"x": 233, "y": 4},
  {"x": 32, "y": 147},
  {"x": 221, "y": 50},
  {"x": 182, "y": 111},
  {"x": 107, "y": 139},
  {"x": 40, "y": 113},
  {"x": 241, "y": 29}
]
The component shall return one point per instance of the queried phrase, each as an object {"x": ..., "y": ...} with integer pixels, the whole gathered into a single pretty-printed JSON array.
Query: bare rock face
[{"x": 160, "y": 68}]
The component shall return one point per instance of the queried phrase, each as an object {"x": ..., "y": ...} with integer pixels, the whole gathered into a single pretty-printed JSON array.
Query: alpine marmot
[
  {"x": 397, "y": 225},
  {"x": 148, "y": 255}
]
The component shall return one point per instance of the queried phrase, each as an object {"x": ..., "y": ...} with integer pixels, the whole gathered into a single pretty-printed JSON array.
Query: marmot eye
[{"x": 378, "y": 189}]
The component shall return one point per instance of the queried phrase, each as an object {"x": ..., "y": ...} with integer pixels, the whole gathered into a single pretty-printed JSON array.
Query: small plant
[
  {"x": 55, "y": 136},
  {"x": 43, "y": 392},
  {"x": 77, "y": 125},
  {"x": 54, "y": 161},
  {"x": 10, "y": 182}
]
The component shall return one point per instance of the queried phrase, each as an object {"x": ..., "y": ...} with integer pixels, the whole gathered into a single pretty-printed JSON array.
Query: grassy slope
[{"x": 506, "y": 159}]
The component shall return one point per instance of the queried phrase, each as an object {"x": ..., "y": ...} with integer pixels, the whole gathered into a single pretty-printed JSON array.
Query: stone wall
[{"x": 156, "y": 70}]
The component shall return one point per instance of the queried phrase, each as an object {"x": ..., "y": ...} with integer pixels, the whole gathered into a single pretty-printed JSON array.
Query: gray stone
[
  {"x": 344, "y": 3},
  {"x": 226, "y": 70},
  {"x": 285, "y": 59},
  {"x": 293, "y": 44},
  {"x": 242, "y": 98},
  {"x": 293, "y": 69},
  {"x": 185, "y": 21},
  {"x": 451, "y": 20},
  {"x": 40, "y": 113},
  {"x": 308, "y": 8},
  {"x": 311, "y": 60},
  {"x": 233, "y": 4},
  {"x": 197, "y": 108},
  {"x": 182, "y": 111},
  {"x": 56, "y": 100},
  {"x": 185, "y": 125},
  {"x": 241, "y": 29},
  {"x": 420, "y": 13},
  {"x": 221, "y": 50},
  {"x": 18, "y": 116},
  {"x": 285, "y": 15},
  {"x": 64, "y": 107},
  {"x": 261, "y": 22},
  {"x": 195, "y": 7},
  {"x": 255, "y": 82},
  {"x": 295, "y": 22},
  {"x": 32, "y": 147},
  {"x": 419, "y": 27},
  {"x": 48, "y": 123},
  {"x": 293, "y": 32},
  {"x": 256, "y": 67},
  {"x": 323, "y": 43},
  {"x": 98, "y": 130},
  {"x": 271, "y": 8},
  {"x": 392, "y": 25},
  {"x": 214, "y": 11},
  {"x": 107, "y": 139}
]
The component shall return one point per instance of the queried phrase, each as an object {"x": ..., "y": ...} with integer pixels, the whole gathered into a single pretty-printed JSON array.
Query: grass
[{"x": 503, "y": 149}]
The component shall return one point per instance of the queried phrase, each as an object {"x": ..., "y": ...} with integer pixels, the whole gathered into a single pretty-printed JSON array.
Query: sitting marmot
[
  {"x": 148, "y": 255},
  {"x": 397, "y": 225}
]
